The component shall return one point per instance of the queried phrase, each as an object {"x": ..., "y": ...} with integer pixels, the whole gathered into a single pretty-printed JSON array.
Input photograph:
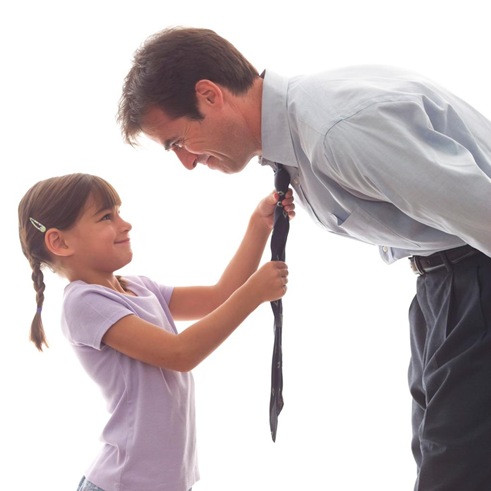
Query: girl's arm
[
  {"x": 195, "y": 302},
  {"x": 150, "y": 344}
]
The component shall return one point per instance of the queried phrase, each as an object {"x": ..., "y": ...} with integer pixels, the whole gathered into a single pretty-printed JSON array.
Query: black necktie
[{"x": 278, "y": 243}]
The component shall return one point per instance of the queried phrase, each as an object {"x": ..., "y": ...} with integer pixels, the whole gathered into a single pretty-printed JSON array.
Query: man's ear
[
  {"x": 56, "y": 244},
  {"x": 208, "y": 93}
]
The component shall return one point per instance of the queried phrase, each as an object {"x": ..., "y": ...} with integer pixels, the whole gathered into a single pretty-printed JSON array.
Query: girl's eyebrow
[{"x": 103, "y": 209}]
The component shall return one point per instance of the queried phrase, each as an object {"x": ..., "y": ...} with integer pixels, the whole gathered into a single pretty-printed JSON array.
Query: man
[{"x": 374, "y": 153}]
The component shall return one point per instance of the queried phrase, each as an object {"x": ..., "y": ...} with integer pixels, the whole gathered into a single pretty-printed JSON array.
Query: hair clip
[{"x": 38, "y": 225}]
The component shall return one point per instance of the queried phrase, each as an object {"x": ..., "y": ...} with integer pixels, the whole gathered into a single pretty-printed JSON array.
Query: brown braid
[
  {"x": 54, "y": 203},
  {"x": 38, "y": 336}
]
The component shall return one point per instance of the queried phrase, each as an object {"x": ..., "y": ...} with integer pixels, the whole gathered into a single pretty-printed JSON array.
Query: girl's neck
[{"x": 113, "y": 282}]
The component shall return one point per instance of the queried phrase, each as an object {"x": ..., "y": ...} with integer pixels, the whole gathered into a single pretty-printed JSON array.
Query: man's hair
[{"x": 166, "y": 68}]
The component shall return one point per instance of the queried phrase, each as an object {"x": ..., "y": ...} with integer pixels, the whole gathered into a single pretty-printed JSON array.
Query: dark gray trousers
[{"x": 450, "y": 377}]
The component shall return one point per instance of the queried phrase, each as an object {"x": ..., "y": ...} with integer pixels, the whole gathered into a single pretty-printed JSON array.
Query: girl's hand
[
  {"x": 269, "y": 281},
  {"x": 266, "y": 207}
]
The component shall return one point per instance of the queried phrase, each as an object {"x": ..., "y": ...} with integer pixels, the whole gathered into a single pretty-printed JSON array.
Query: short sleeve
[{"x": 89, "y": 311}]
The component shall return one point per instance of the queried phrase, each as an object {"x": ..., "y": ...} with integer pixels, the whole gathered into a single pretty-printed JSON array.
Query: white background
[{"x": 346, "y": 421}]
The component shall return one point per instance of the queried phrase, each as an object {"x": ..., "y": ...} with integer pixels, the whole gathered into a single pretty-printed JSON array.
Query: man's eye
[{"x": 177, "y": 144}]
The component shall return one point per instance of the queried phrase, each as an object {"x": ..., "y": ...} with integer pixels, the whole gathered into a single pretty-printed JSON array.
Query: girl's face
[{"x": 99, "y": 241}]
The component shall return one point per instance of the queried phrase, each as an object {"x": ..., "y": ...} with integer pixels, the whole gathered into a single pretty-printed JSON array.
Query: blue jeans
[{"x": 88, "y": 486}]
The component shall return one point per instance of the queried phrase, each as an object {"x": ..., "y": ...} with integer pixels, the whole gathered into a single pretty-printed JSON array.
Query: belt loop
[{"x": 446, "y": 261}]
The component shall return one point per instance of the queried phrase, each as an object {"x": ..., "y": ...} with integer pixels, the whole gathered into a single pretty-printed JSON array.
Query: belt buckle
[{"x": 416, "y": 266}]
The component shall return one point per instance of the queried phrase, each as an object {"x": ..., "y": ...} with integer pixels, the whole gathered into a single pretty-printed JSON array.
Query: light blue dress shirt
[{"x": 383, "y": 156}]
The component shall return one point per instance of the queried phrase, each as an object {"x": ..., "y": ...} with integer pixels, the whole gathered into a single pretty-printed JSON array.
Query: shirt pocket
[{"x": 389, "y": 227}]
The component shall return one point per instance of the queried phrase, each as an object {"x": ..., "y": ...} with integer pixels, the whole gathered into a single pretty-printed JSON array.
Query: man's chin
[
  {"x": 226, "y": 169},
  {"x": 234, "y": 167}
]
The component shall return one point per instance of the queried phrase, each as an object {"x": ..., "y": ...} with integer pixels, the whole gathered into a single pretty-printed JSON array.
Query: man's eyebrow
[{"x": 168, "y": 143}]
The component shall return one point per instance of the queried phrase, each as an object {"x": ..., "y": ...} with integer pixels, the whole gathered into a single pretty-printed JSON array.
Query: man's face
[{"x": 218, "y": 141}]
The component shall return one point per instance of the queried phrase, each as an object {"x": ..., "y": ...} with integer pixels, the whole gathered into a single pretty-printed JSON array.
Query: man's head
[{"x": 166, "y": 69}]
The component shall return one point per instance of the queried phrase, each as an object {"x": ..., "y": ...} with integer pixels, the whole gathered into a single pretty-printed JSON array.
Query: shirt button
[
  {"x": 385, "y": 249},
  {"x": 296, "y": 181}
]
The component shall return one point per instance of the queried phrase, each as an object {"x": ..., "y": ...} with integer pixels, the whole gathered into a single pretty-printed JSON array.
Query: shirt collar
[{"x": 277, "y": 143}]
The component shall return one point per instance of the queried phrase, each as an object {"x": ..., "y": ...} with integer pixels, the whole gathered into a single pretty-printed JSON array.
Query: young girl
[{"x": 122, "y": 329}]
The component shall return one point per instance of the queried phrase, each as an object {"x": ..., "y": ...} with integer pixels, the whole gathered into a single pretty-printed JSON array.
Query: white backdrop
[{"x": 346, "y": 421}]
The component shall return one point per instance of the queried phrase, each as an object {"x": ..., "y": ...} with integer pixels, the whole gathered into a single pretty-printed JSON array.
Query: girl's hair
[{"x": 55, "y": 203}]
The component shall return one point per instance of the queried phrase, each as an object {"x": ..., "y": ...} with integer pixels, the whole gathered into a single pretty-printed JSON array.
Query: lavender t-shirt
[{"x": 149, "y": 441}]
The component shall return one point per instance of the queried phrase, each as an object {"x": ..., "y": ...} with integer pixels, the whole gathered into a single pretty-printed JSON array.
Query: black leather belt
[{"x": 426, "y": 264}]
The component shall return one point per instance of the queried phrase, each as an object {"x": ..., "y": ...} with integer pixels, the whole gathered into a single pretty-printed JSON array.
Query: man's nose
[{"x": 188, "y": 159}]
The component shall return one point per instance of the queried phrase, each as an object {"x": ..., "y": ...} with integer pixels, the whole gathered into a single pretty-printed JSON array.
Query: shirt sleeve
[
  {"x": 89, "y": 311},
  {"x": 427, "y": 164}
]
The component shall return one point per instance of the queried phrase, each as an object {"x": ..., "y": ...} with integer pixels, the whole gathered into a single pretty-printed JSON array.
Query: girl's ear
[{"x": 56, "y": 244}]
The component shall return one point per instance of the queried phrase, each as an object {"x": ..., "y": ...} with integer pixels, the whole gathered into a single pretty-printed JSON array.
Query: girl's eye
[{"x": 107, "y": 216}]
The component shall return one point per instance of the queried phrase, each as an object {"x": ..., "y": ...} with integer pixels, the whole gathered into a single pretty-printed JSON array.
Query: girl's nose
[{"x": 126, "y": 225}]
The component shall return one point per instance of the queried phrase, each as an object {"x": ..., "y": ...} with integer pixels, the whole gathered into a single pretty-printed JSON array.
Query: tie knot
[{"x": 281, "y": 179}]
